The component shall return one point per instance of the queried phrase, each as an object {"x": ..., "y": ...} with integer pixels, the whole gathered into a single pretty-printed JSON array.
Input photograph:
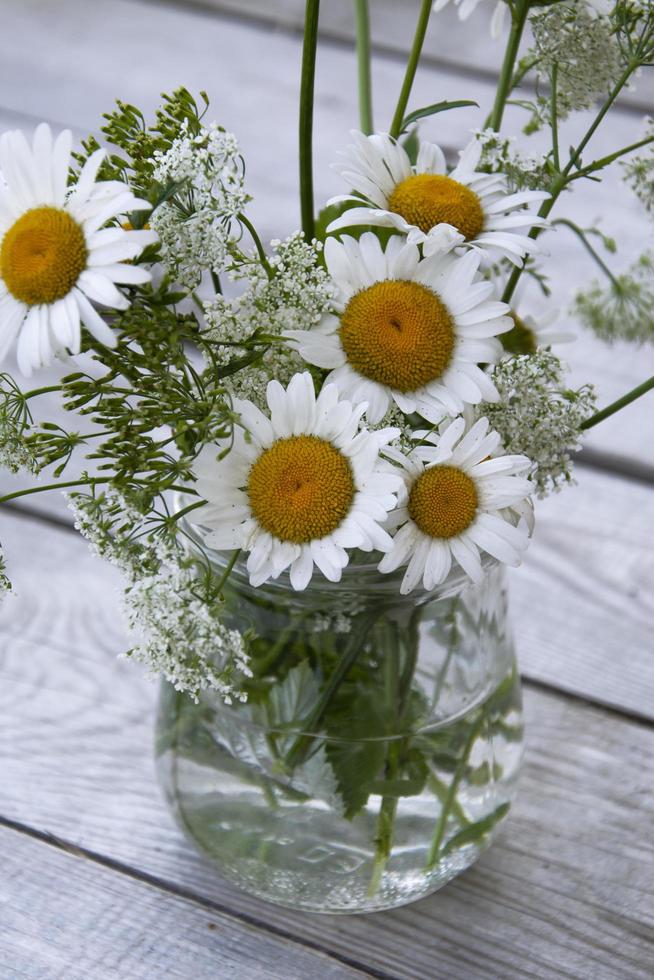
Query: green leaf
[
  {"x": 476, "y": 831},
  {"x": 292, "y": 700},
  {"x": 356, "y": 765},
  {"x": 397, "y": 787},
  {"x": 357, "y": 760},
  {"x": 431, "y": 110}
]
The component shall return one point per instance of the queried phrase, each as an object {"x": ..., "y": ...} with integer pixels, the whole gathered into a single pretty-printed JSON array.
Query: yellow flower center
[
  {"x": 301, "y": 489},
  {"x": 520, "y": 339},
  {"x": 443, "y": 501},
  {"x": 426, "y": 200},
  {"x": 42, "y": 256},
  {"x": 397, "y": 333}
]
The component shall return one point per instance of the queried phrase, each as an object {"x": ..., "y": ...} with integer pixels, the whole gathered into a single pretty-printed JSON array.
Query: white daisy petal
[
  {"x": 297, "y": 502},
  {"x": 82, "y": 264}
]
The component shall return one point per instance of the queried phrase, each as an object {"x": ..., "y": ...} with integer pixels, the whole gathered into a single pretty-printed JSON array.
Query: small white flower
[
  {"x": 458, "y": 502},
  {"x": 422, "y": 202},
  {"x": 56, "y": 255},
  {"x": 411, "y": 331},
  {"x": 300, "y": 487}
]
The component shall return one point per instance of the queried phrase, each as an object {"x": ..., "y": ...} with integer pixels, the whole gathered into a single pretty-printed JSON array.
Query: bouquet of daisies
[{"x": 367, "y": 393}]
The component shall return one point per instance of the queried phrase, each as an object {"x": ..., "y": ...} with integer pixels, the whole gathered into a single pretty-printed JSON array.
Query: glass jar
[{"x": 378, "y": 748}]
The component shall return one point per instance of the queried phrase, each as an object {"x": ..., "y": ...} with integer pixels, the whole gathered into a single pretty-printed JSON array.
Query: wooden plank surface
[
  {"x": 67, "y": 917},
  {"x": 460, "y": 46},
  {"x": 68, "y": 61},
  {"x": 566, "y": 891}
]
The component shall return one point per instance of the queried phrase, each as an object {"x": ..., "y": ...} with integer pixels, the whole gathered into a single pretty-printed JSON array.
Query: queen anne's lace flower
[
  {"x": 56, "y": 255},
  {"x": 456, "y": 503},
  {"x": 539, "y": 416},
  {"x": 195, "y": 226},
  {"x": 577, "y": 39},
  {"x": 298, "y": 488},
  {"x": 623, "y": 309}
]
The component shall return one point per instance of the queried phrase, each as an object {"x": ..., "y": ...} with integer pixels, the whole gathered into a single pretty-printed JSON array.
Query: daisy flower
[
  {"x": 56, "y": 256},
  {"x": 409, "y": 330},
  {"x": 432, "y": 207},
  {"x": 457, "y": 502},
  {"x": 530, "y": 333},
  {"x": 299, "y": 487}
]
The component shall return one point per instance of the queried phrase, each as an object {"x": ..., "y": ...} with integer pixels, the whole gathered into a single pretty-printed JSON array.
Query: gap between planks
[
  {"x": 111, "y": 864},
  {"x": 284, "y": 24}
]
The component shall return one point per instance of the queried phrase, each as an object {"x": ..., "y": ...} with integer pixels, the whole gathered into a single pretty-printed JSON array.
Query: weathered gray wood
[
  {"x": 70, "y": 918},
  {"x": 566, "y": 891},
  {"x": 451, "y": 43}
]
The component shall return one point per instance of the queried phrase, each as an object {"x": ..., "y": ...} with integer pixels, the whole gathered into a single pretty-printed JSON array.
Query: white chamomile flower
[
  {"x": 434, "y": 208},
  {"x": 458, "y": 501},
  {"x": 300, "y": 487},
  {"x": 56, "y": 255},
  {"x": 467, "y": 7},
  {"x": 409, "y": 330},
  {"x": 531, "y": 333}
]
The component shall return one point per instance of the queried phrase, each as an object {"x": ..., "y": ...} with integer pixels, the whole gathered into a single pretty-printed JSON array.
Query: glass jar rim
[{"x": 357, "y": 577}]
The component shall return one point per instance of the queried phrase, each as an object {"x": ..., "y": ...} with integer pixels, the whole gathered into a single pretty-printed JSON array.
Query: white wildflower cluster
[
  {"x": 15, "y": 454},
  {"x": 499, "y": 155},
  {"x": 538, "y": 416},
  {"x": 108, "y": 522},
  {"x": 623, "y": 310},
  {"x": 581, "y": 43},
  {"x": 292, "y": 294},
  {"x": 5, "y": 584},
  {"x": 396, "y": 419},
  {"x": 182, "y": 637},
  {"x": 177, "y": 625},
  {"x": 639, "y": 172},
  {"x": 197, "y": 224}
]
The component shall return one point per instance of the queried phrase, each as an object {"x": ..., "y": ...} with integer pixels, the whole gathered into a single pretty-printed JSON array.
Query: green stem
[
  {"x": 589, "y": 248},
  {"x": 228, "y": 569},
  {"x": 53, "y": 486},
  {"x": 564, "y": 178},
  {"x": 615, "y": 406},
  {"x": 306, "y": 116},
  {"x": 363, "y": 65},
  {"x": 504, "y": 83},
  {"x": 40, "y": 391},
  {"x": 554, "y": 121},
  {"x": 354, "y": 647},
  {"x": 388, "y": 806},
  {"x": 258, "y": 244},
  {"x": 439, "y": 833},
  {"x": 186, "y": 510},
  {"x": 411, "y": 68},
  {"x": 605, "y": 161}
]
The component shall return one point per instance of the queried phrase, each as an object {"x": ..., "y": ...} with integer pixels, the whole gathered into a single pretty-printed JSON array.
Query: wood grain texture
[
  {"x": 466, "y": 48},
  {"x": 67, "y": 917},
  {"x": 67, "y": 62},
  {"x": 566, "y": 891}
]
